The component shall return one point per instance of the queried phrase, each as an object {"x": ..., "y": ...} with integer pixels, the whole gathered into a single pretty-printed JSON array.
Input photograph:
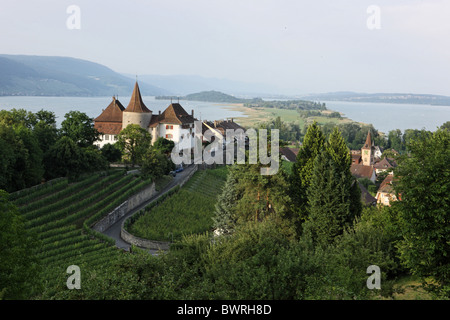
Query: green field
[
  {"x": 60, "y": 216},
  {"x": 253, "y": 116},
  {"x": 188, "y": 211}
]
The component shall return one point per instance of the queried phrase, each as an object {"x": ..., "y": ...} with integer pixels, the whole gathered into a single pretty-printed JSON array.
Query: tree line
[{"x": 35, "y": 150}]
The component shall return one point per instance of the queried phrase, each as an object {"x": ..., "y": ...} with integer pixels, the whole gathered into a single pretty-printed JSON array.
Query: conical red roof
[{"x": 136, "y": 104}]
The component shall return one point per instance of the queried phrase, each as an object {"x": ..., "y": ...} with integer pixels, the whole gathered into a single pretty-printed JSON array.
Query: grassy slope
[{"x": 188, "y": 211}]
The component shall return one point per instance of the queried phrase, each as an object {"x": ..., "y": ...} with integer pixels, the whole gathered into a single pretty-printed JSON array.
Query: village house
[
  {"x": 385, "y": 194},
  {"x": 384, "y": 165},
  {"x": 219, "y": 130}
]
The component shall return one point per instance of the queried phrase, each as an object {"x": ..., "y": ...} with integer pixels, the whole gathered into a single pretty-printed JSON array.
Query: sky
[{"x": 294, "y": 46}]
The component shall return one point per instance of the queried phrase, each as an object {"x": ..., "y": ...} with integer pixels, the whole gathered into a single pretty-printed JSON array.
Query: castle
[{"x": 173, "y": 124}]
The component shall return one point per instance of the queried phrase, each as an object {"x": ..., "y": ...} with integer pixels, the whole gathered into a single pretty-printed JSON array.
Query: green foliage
[
  {"x": 156, "y": 164},
  {"x": 289, "y": 104},
  {"x": 19, "y": 271},
  {"x": 423, "y": 186},
  {"x": 164, "y": 145},
  {"x": 313, "y": 144},
  {"x": 328, "y": 201},
  {"x": 80, "y": 128},
  {"x": 224, "y": 215},
  {"x": 111, "y": 152},
  {"x": 134, "y": 142}
]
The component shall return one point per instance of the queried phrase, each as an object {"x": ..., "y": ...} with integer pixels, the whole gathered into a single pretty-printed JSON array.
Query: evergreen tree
[
  {"x": 328, "y": 205},
  {"x": 334, "y": 197},
  {"x": 224, "y": 218},
  {"x": 340, "y": 155},
  {"x": 313, "y": 144}
]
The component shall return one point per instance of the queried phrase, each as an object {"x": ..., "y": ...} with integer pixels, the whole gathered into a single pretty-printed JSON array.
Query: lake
[
  {"x": 93, "y": 106},
  {"x": 383, "y": 116},
  {"x": 390, "y": 116}
]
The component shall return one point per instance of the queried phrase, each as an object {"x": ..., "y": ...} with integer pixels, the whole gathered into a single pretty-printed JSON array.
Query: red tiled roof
[
  {"x": 136, "y": 104},
  {"x": 386, "y": 185},
  {"x": 108, "y": 127},
  {"x": 112, "y": 113},
  {"x": 361, "y": 171},
  {"x": 174, "y": 114}
]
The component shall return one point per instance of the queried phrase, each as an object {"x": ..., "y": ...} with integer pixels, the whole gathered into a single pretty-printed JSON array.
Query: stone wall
[
  {"x": 120, "y": 211},
  {"x": 153, "y": 244},
  {"x": 143, "y": 243}
]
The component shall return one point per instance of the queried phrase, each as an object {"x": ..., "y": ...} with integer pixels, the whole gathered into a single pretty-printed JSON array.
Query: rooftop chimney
[{"x": 192, "y": 113}]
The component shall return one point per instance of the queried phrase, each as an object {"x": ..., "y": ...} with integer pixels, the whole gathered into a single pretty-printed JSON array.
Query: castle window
[
  {"x": 169, "y": 136},
  {"x": 106, "y": 136},
  {"x": 169, "y": 127}
]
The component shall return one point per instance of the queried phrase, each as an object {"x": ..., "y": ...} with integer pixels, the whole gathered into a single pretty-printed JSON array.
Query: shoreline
[{"x": 256, "y": 115}]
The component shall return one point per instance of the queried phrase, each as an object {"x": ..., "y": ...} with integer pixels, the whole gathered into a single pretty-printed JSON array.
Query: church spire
[
  {"x": 368, "y": 151},
  {"x": 136, "y": 104},
  {"x": 368, "y": 143}
]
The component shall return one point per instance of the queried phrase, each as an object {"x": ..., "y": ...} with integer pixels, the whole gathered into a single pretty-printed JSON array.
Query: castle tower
[
  {"x": 367, "y": 151},
  {"x": 136, "y": 112}
]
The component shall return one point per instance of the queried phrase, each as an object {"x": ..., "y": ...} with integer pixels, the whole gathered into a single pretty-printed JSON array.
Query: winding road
[{"x": 114, "y": 230}]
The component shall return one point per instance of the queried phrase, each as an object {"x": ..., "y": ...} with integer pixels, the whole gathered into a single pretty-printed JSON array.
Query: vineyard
[
  {"x": 187, "y": 211},
  {"x": 60, "y": 214}
]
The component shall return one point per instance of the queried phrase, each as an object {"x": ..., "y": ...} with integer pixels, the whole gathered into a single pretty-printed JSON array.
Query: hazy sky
[{"x": 295, "y": 46}]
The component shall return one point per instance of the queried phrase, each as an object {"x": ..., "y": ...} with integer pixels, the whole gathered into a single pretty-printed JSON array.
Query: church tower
[
  {"x": 136, "y": 112},
  {"x": 367, "y": 151}
]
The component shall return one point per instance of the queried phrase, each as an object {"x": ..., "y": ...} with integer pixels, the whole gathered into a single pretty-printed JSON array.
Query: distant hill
[
  {"x": 22, "y": 75},
  {"x": 210, "y": 96},
  {"x": 410, "y": 98}
]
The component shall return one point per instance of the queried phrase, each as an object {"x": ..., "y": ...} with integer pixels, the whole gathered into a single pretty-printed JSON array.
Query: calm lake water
[
  {"x": 383, "y": 116},
  {"x": 389, "y": 116},
  {"x": 93, "y": 106}
]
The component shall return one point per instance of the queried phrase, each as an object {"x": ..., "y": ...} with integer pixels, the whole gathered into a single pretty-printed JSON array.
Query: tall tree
[
  {"x": 45, "y": 129},
  {"x": 423, "y": 185},
  {"x": 328, "y": 200},
  {"x": 64, "y": 159},
  {"x": 340, "y": 154},
  {"x": 224, "y": 216},
  {"x": 79, "y": 127},
  {"x": 134, "y": 142},
  {"x": 300, "y": 179}
]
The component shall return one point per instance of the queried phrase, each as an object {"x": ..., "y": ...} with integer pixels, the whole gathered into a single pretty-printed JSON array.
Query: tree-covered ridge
[
  {"x": 208, "y": 96},
  {"x": 216, "y": 96}
]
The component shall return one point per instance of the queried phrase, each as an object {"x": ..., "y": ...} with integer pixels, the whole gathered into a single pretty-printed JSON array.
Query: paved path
[{"x": 114, "y": 230}]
